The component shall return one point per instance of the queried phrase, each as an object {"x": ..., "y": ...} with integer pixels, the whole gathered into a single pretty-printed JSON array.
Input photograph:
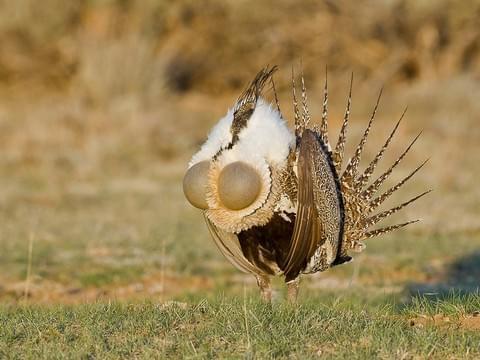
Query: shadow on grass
[{"x": 461, "y": 277}]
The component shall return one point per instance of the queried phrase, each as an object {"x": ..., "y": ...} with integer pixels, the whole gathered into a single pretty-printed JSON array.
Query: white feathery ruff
[
  {"x": 218, "y": 138},
  {"x": 266, "y": 137}
]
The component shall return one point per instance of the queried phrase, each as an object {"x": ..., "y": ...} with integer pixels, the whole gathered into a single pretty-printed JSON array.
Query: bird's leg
[
  {"x": 292, "y": 290},
  {"x": 265, "y": 288}
]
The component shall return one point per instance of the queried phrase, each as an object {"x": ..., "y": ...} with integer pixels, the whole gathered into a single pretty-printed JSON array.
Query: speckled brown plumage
[{"x": 314, "y": 214}]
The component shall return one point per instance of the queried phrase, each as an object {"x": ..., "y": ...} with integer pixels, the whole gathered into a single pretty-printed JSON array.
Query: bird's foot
[
  {"x": 292, "y": 290},
  {"x": 265, "y": 288}
]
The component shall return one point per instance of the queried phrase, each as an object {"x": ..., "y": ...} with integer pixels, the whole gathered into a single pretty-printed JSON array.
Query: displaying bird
[{"x": 276, "y": 201}]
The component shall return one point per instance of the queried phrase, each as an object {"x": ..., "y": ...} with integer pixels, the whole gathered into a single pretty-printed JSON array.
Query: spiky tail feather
[
  {"x": 305, "y": 112},
  {"x": 367, "y": 193},
  {"x": 322, "y": 130},
  {"x": 352, "y": 167},
  {"x": 381, "y": 198},
  {"x": 387, "y": 229},
  {"x": 363, "y": 179},
  {"x": 296, "y": 112},
  {"x": 377, "y": 218},
  {"x": 359, "y": 202},
  {"x": 337, "y": 154}
]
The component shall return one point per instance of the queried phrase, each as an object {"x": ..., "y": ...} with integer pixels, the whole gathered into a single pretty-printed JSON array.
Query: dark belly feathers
[{"x": 267, "y": 246}]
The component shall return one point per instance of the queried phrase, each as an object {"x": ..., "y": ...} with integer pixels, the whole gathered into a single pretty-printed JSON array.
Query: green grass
[{"x": 333, "y": 326}]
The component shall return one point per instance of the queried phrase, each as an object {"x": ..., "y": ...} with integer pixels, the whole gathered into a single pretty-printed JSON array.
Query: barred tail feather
[
  {"x": 324, "y": 123},
  {"x": 296, "y": 112},
  {"x": 377, "y": 218},
  {"x": 352, "y": 166},
  {"x": 363, "y": 179},
  {"x": 305, "y": 112},
  {"x": 340, "y": 147},
  {"x": 367, "y": 193},
  {"x": 380, "y": 199},
  {"x": 388, "y": 229}
]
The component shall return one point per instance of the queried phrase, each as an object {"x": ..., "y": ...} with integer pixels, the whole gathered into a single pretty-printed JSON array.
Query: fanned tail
[
  {"x": 358, "y": 197},
  {"x": 338, "y": 153},
  {"x": 358, "y": 203}
]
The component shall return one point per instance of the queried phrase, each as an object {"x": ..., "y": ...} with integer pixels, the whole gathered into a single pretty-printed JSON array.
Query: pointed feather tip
[
  {"x": 421, "y": 165},
  {"x": 349, "y": 100},
  {"x": 303, "y": 80},
  {"x": 277, "y": 103},
  {"x": 409, "y": 147},
  {"x": 294, "y": 94},
  {"x": 351, "y": 86},
  {"x": 402, "y": 116},
  {"x": 420, "y": 195},
  {"x": 398, "y": 123},
  {"x": 373, "y": 164},
  {"x": 305, "y": 111},
  {"x": 388, "y": 229},
  {"x": 412, "y": 222},
  {"x": 377, "y": 183},
  {"x": 256, "y": 86},
  {"x": 378, "y": 100},
  {"x": 416, "y": 198},
  {"x": 326, "y": 76}
]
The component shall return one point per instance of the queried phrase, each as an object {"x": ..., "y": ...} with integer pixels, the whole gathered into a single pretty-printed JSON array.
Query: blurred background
[{"x": 102, "y": 103}]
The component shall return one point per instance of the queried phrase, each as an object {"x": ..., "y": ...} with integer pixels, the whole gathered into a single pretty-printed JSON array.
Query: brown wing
[
  {"x": 229, "y": 246},
  {"x": 319, "y": 219}
]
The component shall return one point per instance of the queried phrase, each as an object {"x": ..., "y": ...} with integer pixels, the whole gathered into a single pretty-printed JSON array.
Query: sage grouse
[{"x": 276, "y": 201}]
